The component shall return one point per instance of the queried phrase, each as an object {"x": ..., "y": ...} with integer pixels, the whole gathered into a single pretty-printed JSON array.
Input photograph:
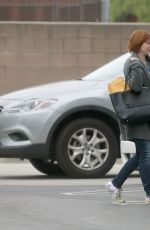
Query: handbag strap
[{"x": 125, "y": 87}]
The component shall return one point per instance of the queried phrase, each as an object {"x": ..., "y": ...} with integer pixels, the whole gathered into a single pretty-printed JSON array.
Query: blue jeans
[{"x": 141, "y": 160}]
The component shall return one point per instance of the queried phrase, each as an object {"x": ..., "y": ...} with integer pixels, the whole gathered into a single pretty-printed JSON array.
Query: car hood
[{"x": 50, "y": 90}]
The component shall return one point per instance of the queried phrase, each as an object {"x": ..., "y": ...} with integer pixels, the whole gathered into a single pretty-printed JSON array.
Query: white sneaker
[
  {"x": 147, "y": 200},
  {"x": 116, "y": 193}
]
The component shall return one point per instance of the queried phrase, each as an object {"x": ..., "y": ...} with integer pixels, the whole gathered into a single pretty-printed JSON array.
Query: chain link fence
[{"x": 50, "y": 10}]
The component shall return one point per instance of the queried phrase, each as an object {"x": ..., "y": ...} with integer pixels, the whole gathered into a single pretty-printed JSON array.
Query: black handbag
[{"x": 131, "y": 107}]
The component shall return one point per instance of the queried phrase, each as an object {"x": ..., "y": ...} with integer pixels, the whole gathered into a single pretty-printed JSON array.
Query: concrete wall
[{"x": 35, "y": 53}]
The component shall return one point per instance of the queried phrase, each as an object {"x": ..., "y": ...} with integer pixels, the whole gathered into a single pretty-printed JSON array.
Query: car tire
[
  {"x": 46, "y": 167},
  {"x": 82, "y": 157}
]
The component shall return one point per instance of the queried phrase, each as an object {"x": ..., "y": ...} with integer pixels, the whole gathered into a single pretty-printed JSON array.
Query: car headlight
[{"x": 31, "y": 105}]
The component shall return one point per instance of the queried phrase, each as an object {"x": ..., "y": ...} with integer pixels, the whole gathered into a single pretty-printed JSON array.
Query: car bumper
[
  {"x": 24, "y": 135},
  {"x": 38, "y": 151}
]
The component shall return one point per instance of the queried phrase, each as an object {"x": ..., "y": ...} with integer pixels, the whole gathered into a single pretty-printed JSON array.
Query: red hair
[{"x": 136, "y": 39}]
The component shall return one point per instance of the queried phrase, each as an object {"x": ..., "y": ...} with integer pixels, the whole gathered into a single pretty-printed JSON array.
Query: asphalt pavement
[{"x": 31, "y": 200}]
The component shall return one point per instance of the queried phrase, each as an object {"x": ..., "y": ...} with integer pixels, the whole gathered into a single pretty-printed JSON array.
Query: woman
[{"x": 137, "y": 75}]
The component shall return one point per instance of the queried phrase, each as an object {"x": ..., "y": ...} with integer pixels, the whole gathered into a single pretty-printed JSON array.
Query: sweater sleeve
[{"x": 135, "y": 78}]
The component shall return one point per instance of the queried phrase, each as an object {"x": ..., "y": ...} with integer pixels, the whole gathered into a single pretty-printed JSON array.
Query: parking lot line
[
  {"x": 102, "y": 191},
  {"x": 131, "y": 202}
]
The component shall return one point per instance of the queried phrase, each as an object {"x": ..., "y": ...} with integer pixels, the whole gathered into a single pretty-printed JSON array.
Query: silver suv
[{"x": 67, "y": 126}]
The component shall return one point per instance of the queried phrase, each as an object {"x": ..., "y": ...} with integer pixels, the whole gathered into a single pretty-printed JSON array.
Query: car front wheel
[{"x": 86, "y": 147}]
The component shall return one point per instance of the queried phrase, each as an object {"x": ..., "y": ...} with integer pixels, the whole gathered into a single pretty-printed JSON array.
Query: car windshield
[{"x": 108, "y": 71}]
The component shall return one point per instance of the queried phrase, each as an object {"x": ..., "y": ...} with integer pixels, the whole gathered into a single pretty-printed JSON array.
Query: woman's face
[{"x": 145, "y": 48}]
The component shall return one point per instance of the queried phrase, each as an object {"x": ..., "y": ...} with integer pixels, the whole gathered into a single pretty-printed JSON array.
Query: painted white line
[
  {"x": 133, "y": 190},
  {"x": 131, "y": 202},
  {"x": 92, "y": 192},
  {"x": 84, "y": 192}
]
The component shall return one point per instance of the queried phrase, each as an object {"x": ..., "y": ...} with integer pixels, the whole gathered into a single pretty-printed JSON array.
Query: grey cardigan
[{"x": 137, "y": 76}]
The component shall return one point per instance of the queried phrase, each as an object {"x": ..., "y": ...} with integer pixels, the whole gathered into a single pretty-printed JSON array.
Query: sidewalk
[{"x": 12, "y": 160}]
